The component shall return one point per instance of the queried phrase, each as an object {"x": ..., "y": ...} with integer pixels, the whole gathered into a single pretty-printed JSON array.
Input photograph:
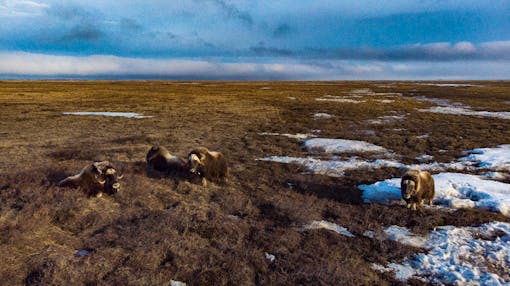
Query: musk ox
[
  {"x": 209, "y": 165},
  {"x": 95, "y": 179},
  {"x": 159, "y": 159},
  {"x": 417, "y": 186}
]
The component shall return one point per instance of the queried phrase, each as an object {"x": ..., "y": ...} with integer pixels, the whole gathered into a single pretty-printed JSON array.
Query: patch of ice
[
  {"x": 439, "y": 101},
  {"x": 497, "y": 158},
  {"x": 460, "y": 256},
  {"x": 451, "y": 189},
  {"x": 265, "y": 87},
  {"x": 322, "y": 115},
  {"x": 270, "y": 257},
  {"x": 385, "y": 100},
  {"x": 329, "y": 226},
  {"x": 299, "y": 136},
  {"x": 177, "y": 283},
  {"x": 115, "y": 114},
  {"x": 340, "y": 146},
  {"x": 464, "y": 111},
  {"x": 332, "y": 168},
  {"x": 291, "y": 98}
]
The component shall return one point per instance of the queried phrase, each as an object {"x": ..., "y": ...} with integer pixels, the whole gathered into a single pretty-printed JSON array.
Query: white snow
[
  {"x": 451, "y": 189},
  {"x": 333, "y": 168},
  {"x": 369, "y": 92},
  {"x": 386, "y": 119},
  {"x": 329, "y": 226},
  {"x": 291, "y": 97},
  {"x": 340, "y": 146},
  {"x": 456, "y": 255},
  {"x": 340, "y": 99},
  {"x": 177, "y": 283},
  {"x": 497, "y": 158},
  {"x": 115, "y": 114},
  {"x": 465, "y": 111},
  {"x": 299, "y": 136},
  {"x": 385, "y": 100},
  {"x": 321, "y": 115},
  {"x": 270, "y": 257},
  {"x": 404, "y": 236},
  {"x": 451, "y": 84},
  {"x": 424, "y": 157}
]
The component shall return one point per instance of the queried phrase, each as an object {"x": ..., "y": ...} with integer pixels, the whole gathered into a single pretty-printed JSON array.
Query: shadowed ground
[{"x": 160, "y": 227}]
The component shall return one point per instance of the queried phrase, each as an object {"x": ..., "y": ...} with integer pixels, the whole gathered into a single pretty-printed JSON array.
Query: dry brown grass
[{"x": 160, "y": 227}]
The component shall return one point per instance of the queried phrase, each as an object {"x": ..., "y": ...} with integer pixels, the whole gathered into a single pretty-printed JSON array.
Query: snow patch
[
  {"x": 299, "y": 136},
  {"x": 497, "y": 158},
  {"x": 177, "y": 283},
  {"x": 114, "y": 114},
  {"x": 451, "y": 189},
  {"x": 451, "y": 84},
  {"x": 458, "y": 256},
  {"x": 333, "y": 168},
  {"x": 270, "y": 257},
  {"x": 329, "y": 226},
  {"x": 340, "y": 146},
  {"x": 339, "y": 99},
  {"x": 322, "y": 116},
  {"x": 465, "y": 111},
  {"x": 386, "y": 119}
]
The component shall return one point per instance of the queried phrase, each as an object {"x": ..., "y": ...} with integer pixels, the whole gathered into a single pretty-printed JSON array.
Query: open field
[{"x": 160, "y": 228}]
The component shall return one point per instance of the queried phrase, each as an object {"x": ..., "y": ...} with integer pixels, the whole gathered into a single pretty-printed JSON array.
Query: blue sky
[{"x": 241, "y": 39}]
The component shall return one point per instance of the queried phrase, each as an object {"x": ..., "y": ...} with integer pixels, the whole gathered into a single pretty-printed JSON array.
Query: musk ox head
[
  {"x": 196, "y": 163},
  {"x": 107, "y": 176},
  {"x": 409, "y": 184}
]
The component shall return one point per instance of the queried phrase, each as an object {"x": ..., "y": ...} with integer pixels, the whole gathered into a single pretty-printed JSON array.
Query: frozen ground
[
  {"x": 106, "y": 113},
  {"x": 455, "y": 256}
]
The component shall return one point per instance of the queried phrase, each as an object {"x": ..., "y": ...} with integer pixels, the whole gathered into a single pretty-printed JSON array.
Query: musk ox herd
[
  {"x": 100, "y": 178},
  {"x": 97, "y": 178}
]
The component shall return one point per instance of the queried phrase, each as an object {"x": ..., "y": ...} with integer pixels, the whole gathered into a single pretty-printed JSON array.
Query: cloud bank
[{"x": 20, "y": 64}]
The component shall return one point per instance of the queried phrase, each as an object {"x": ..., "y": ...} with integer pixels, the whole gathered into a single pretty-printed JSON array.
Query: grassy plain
[{"x": 160, "y": 228}]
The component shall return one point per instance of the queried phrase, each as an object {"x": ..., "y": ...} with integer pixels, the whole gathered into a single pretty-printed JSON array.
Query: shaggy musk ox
[
  {"x": 208, "y": 165},
  {"x": 95, "y": 179},
  {"x": 417, "y": 186},
  {"x": 161, "y": 160}
]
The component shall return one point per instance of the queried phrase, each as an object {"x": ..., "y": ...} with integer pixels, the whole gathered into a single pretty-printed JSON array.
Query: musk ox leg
[
  {"x": 421, "y": 203},
  {"x": 99, "y": 195},
  {"x": 430, "y": 202},
  {"x": 413, "y": 206},
  {"x": 408, "y": 205},
  {"x": 204, "y": 182}
]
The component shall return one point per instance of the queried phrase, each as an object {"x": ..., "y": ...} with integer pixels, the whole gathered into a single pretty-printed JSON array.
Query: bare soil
[{"x": 161, "y": 228}]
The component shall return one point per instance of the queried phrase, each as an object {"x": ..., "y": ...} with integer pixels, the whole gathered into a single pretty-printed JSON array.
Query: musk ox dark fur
[
  {"x": 95, "y": 179},
  {"x": 209, "y": 165},
  {"x": 160, "y": 159},
  {"x": 417, "y": 186}
]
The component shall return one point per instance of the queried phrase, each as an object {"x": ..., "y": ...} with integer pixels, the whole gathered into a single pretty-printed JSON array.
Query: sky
[{"x": 256, "y": 40}]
